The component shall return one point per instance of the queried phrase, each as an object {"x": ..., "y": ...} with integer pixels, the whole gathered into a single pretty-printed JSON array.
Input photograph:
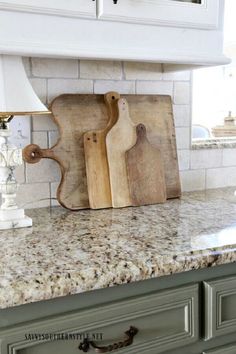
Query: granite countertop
[
  {"x": 72, "y": 252},
  {"x": 214, "y": 143}
]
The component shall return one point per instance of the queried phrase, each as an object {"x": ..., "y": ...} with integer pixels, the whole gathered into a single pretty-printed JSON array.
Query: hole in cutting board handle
[{"x": 141, "y": 130}]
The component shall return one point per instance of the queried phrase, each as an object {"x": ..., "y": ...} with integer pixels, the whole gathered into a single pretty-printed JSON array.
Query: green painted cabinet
[
  {"x": 228, "y": 349},
  {"x": 187, "y": 313},
  {"x": 164, "y": 320},
  {"x": 220, "y": 307}
]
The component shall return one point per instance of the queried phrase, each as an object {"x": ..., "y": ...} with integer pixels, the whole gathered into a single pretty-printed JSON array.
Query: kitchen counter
[{"x": 72, "y": 252}]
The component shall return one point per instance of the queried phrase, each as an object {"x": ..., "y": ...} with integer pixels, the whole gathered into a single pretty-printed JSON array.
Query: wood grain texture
[
  {"x": 145, "y": 171},
  {"x": 155, "y": 112},
  {"x": 120, "y": 139},
  {"x": 74, "y": 115},
  {"x": 77, "y": 114},
  {"x": 95, "y": 150}
]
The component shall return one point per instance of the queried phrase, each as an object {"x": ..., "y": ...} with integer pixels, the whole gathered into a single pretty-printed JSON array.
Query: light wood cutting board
[
  {"x": 120, "y": 139},
  {"x": 155, "y": 112},
  {"x": 145, "y": 171},
  {"x": 95, "y": 150},
  {"x": 74, "y": 115},
  {"x": 77, "y": 114}
]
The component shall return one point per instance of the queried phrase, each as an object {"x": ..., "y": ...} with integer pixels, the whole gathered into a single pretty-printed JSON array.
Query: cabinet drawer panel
[
  {"x": 72, "y": 8},
  {"x": 220, "y": 307},
  {"x": 164, "y": 320},
  {"x": 229, "y": 349},
  {"x": 162, "y": 12}
]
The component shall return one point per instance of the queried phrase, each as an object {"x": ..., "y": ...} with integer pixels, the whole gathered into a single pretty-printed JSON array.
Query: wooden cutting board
[
  {"x": 155, "y": 112},
  {"x": 120, "y": 139},
  {"x": 74, "y": 115},
  {"x": 77, "y": 114},
  {"x": 145, "y": 171},
  {"x": 95, "y": 150}
]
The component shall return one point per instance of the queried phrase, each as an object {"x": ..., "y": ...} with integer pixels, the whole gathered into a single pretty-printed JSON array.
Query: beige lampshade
[{"x": 17, "y": 96}]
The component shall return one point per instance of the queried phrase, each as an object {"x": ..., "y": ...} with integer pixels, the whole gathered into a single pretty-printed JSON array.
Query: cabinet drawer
[
  {"x": 164, "y": 13},
  {"x": 165, "y": 320},
  {"x": 220, "y": 307},
  {"x": 229, "y": 349},
  {"x": 72, "y": 8}
]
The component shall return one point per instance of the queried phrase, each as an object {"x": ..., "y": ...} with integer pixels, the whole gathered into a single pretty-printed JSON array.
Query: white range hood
[{"x": 164, "y": 31}]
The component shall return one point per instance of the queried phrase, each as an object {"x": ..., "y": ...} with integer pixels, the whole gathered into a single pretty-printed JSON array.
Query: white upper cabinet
[
  {"x": 73, "y": 8},
  {"x": 204, "y": 14},
  {"x": 164, "y": 31}
]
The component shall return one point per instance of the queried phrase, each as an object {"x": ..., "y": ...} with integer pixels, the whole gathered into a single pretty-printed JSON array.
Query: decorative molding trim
[
  {"x": 185, "y": 298},
  {"x": 27, "y": 48},
  {"x": 215, "y": 291},
  {"x": 168, "y": 13},
  {"x": 48, "y": 10},
  {"x": 104, "y": 40},
  {"x": 227, "y": 349}
]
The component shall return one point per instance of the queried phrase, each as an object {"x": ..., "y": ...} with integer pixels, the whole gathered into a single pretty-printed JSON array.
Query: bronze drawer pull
[{"x": 85, "y": 345}]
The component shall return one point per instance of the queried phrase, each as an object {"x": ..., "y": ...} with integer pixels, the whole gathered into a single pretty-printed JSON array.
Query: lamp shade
[{"x": 17, "y": 96}]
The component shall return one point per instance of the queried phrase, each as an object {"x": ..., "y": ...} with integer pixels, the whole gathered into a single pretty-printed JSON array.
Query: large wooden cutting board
[
  {"x": 97, "y": 170},
  {"x": 145, "y": 171},
  {"x": 74, "y": 115},
  {"x": 120, "y": 139},
  {"x": 77, "y": 114},
  {"x": 155, "y": 112}
]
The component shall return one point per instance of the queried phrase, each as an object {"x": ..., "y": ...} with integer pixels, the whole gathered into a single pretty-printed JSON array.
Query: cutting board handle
[
  {"x": 141, "y": 132},
  {"x": 33, "y": 153}
]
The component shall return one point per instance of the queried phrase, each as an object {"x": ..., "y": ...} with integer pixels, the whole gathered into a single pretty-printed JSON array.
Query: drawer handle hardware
[
  {"x": 115, "y": 2},
  {"x": 131, "y": 333}
]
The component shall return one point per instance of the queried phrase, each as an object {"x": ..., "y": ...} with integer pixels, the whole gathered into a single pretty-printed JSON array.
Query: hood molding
[{"x": 44, "y": 32}]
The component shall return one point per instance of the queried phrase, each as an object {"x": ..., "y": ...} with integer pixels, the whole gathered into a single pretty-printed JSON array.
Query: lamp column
[{"x": 10, "y": 157}]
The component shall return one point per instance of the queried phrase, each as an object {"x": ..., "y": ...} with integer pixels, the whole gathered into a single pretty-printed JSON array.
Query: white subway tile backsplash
[
  {"x": 182, "y": 115},
  {"x": 125, "y": 87},
  {"x": 41, "y": 139},
  {"x": 154, "y": 87},
  {"x": 142, "y": 71},
  {"x": 221, "y": 177},
  {"x": 184, "y": 159},
  {"x": 40, "y": 88},
  {"x": 192, "y": 180},
  {"x": 44, "y": 123},
  {"x": 176, "y": 75},
  {"x": 205, "y": 158},
  {"x": 19, "y": 173},
  {"x": 229, "y": 157},
  {"x": 94, "y": 69},
  {"x": 183, "y": 138},
  {"x": 35, "y": 195},
  {"x": 53, "y": 191},
  {"x": 51, "y": 77},
  {"x": 44, "y": 171},
  {"x": 57, "y": 87},
  {"x": 181, "y": 92},
  {"x": 53, "y": 137},
  {"x": 47, "y": 67}
]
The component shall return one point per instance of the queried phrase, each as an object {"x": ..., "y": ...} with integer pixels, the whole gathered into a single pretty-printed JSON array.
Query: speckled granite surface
[
  {"x": 68, "y": 253},
  {"x": 214, "y": 143}
]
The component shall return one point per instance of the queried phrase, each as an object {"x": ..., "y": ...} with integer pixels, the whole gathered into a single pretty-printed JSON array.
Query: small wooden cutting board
[
  {"x": 120, "y": 139},
  {"x": 145, "y": 170},
  {"x": 95, "y": 150},
  {"x": 74, "y": 115}
]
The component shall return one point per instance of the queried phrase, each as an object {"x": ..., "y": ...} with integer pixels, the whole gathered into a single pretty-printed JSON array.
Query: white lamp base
[{"x": 14, "y": 219}]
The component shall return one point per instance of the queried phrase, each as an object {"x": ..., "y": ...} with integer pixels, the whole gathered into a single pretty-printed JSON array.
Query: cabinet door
[
  {"x": 71, "y": 8},
  {"x": 229, "y": 349},
  {"x": 220, "y": 307},
  {"x": 165, "y": 320},
  {"x": 178, "y": 13}
]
